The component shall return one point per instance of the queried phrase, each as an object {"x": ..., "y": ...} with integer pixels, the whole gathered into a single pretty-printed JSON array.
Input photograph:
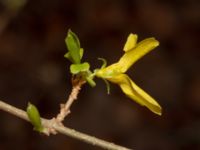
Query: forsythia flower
[{"x": 115, "y": 73}]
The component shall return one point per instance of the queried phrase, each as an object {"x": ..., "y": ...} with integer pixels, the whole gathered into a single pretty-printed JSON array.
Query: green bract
[
  {"x": 34, "y": 116},
  {"x": 77, "y": 68}
]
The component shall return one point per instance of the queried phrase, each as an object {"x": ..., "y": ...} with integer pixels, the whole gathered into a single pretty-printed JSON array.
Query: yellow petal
[
  {"x": 136, "y": 93},
  {"x": 109, "y": 71},
  {"x": 131, "y": 42},
  {"x": 131, "y": 56}
]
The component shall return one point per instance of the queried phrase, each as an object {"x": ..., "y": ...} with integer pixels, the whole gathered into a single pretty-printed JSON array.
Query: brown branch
[
  {"x": 65, "y": 108},
  {"x": 52, "y": 124}
]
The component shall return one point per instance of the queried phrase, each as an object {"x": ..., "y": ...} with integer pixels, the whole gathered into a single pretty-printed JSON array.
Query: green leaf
[
  {"x": 81, "y": 52},
  {"x": 77, "y": 68},
  {"x": 34, "y": 116},
  {"x": 73, "y": 46},
  {"x": 68, "y": 56},
  {"x": 91, "y": 81}
]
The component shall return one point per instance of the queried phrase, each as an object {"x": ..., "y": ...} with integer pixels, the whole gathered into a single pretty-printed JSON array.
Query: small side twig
[
  {"x": 51, "y": 124},
  {"x": 65, "y": 108}
]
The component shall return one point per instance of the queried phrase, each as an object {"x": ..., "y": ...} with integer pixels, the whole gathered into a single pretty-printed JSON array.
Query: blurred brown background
[{"x": 32, "y": 68}]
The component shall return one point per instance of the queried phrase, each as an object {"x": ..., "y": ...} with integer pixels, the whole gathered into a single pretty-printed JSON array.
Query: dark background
[{"x": 32, "y": 68}]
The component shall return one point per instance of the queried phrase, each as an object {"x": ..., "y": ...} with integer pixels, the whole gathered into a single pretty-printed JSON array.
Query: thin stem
[
  {"x": 50, "y": 124},
  {"x": 65, "y": 108}
]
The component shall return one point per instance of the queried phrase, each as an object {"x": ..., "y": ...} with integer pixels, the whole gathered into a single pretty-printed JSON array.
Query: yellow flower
[{"x": 115, "y": 73}]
